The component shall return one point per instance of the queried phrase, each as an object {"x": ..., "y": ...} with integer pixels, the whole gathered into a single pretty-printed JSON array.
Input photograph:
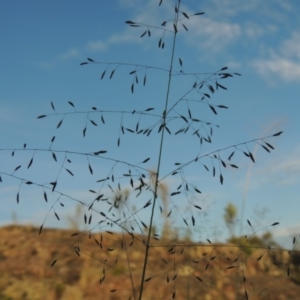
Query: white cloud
[
  {"x": 284, "y": 171},
  {"x": 283, "y": 63},
  {"x": 129, "y": 3},
  {"x": 253, "y": 30},
  {"x": 285, "y": 5},
  {"x": 212, "y": 34},
  {"x": 123, "y": 38},
  {"x": 287, "y": 170},
  {"x": 50, "y": 65},
  {"x": 283, "y": 68},
  {"x": 71, "y": 53},
  {"x": 275, "y": 10},
  {"x": 208, "y": 33},
  {"x": 232, "y": 8},
  {"x": 146, "y": 13},
  {"x": 96, "y": 46},
  {"x": 233, "y": 64},
  {"x": 99, "y": 46},
  {"x": 291, "y": 47}
]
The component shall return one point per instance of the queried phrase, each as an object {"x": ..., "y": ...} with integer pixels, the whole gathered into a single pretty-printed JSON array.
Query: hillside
[{"x": 84, "y": 270}]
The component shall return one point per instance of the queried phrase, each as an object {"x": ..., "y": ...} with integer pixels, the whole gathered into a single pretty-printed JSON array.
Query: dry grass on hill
[{"x": 25, "y": 259}]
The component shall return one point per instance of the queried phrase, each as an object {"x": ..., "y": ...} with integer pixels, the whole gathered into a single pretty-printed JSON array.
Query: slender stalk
[
  {"x": 129, "y": 268},
  {"x": 159, "y": 156}
]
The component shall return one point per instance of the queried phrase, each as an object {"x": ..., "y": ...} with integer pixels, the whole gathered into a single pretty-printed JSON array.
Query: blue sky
[{"x": 42, "y": 45}]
